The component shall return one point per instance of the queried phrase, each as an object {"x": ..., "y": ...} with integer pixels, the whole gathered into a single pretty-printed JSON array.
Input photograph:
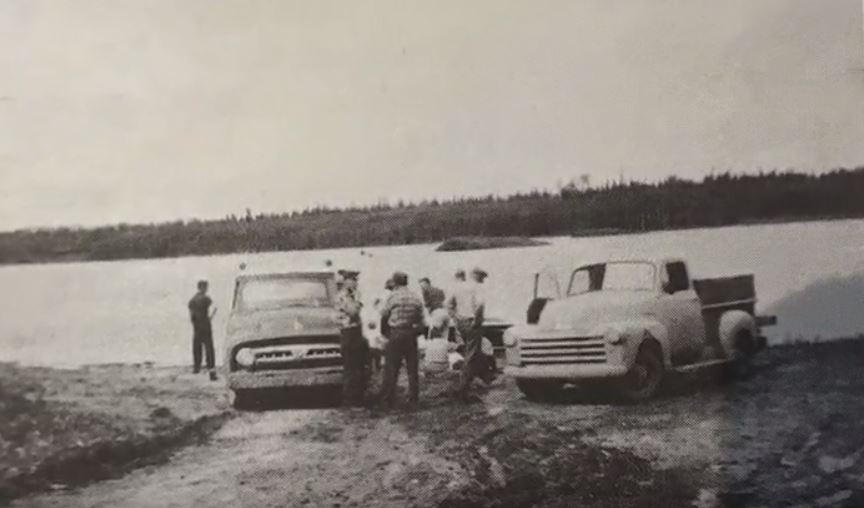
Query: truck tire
[
  {"x": 539, "y": 390},
  {"x": 740, "y": 367},
  {"x": 645, "y": 377}
]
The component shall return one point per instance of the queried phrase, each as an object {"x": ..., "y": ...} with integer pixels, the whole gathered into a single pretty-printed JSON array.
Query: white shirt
[
  {"x": 372, "y": 321},
  {"x": 469, "y": 298}
]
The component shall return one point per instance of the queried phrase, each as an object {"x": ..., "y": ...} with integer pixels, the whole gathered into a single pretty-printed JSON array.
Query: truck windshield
[
  {"x": 612, "y": 276},
  {"x": 268, "y": 294}
]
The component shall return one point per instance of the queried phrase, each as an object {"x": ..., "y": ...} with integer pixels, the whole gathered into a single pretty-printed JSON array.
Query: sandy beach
[{"x": 785, "y": 433}]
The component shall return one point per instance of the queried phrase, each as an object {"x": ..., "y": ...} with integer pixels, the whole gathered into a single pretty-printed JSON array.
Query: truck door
[
  {"x": 682, "y": 310},
  {"x": 546, "y": 287}
]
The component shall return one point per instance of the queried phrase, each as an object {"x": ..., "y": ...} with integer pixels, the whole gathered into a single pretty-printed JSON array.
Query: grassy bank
[
  {"x": 717, "y": 200},
  {"x": 63, "y": 428}
]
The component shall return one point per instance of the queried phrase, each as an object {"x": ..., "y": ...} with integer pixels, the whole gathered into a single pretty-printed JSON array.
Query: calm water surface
[{"x": 810, "y": 274}]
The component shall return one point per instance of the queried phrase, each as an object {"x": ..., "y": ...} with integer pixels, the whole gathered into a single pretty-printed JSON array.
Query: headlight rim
[
  {"x": 246, "y": 360},
  {"x": 509, "y": 339}
]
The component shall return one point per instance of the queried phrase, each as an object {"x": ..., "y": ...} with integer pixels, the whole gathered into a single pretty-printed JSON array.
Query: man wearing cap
[
  {"x": 469, "y": 306},
  {"x": 403, "y": 312},
  {"x": 202, "y": 331},
  {"x": 353, "y": 346}
]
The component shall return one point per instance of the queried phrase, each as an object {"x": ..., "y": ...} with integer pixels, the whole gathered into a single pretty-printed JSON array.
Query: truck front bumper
[
  {"x": 566, "y": 372},
  {"x": 247, "y": 380}
]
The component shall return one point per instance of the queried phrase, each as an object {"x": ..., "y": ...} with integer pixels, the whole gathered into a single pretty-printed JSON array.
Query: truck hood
[
  {"x": 589, "y": 311},
  {"x": 289, "y": 322}
]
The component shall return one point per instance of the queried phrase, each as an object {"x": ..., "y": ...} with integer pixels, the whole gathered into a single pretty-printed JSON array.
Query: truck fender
[
  {"x": 658, "y": 333},
  {"x": 641, "y": 332},
  {"x": 736, "y": 325}
]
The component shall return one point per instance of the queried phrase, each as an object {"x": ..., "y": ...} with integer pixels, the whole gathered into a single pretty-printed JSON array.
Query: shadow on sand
[{"x": 675, "y": 385}]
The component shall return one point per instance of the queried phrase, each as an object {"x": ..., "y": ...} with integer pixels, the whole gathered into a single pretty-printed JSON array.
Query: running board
[{"x": 686, "y": 369}]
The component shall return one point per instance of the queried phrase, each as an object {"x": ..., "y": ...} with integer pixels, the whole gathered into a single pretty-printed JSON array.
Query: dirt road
[{"x": 788, "y": 435}]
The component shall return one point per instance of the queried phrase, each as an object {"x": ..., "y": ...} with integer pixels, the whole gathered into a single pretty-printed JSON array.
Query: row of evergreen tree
[{"x": 717, "y": 200}]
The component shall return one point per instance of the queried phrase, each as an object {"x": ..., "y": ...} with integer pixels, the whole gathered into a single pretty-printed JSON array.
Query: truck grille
[
  {"x": 296, "y": 356},
  {"x": 563, "y": 351}
]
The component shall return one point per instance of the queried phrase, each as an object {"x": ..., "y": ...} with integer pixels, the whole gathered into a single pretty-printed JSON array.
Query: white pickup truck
[{"x": 630, "y": 322}]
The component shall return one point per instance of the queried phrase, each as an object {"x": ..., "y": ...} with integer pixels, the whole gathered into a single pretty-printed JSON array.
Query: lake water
[{"x": 810, "y": 274}]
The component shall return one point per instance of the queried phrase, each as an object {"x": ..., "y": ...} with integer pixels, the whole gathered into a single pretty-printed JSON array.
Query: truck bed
[
  {"x": 725, "y": 292},
  {"x": 719, "y": 295}
]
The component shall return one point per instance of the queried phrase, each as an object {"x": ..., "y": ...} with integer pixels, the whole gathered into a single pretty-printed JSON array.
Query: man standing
[
  {"x": 433, "y": 298},
  {"x": 202, "y": 331},
  {"x": 353, "y": 346},
  {"x": 469, "y": 307},
  {"x": 403, "y": 312}
]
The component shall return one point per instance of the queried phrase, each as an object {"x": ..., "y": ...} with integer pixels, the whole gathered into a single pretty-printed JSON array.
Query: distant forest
[{"x": 575, "y": 209}]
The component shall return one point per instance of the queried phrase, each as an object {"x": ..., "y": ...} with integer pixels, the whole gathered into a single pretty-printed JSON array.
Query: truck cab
[
  {"x": 283, "y": 331},
  {"x": 631, "y": 321}
]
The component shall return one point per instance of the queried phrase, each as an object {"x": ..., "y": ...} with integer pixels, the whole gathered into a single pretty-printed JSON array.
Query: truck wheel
[
  {"x": 539, "y": 390},
  {"x": 740, "y": 367},
  {"x": 644, "y": 378}
]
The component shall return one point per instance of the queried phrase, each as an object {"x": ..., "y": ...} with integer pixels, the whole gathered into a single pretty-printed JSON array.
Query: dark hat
[
  {"x": 400, "y": 278},
  {"x": 479, "y": 272}
]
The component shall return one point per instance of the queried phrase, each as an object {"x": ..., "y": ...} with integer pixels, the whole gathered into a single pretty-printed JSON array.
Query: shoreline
[{"x": 68, "y": 260}]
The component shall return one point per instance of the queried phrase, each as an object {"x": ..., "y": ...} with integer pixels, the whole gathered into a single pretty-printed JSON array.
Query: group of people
[{"x": 392, "y": 329}]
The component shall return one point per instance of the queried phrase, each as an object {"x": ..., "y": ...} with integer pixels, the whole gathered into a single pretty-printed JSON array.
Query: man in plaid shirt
[{"x": 403, "y": 312}]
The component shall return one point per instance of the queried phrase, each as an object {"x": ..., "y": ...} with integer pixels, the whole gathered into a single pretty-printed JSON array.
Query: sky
[{"x": 137, "y": 111}]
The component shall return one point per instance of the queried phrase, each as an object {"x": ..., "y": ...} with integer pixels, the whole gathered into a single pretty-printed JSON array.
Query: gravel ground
[
  {"x": 784, "y": 436},
  {"x": 66, "y": 427}
]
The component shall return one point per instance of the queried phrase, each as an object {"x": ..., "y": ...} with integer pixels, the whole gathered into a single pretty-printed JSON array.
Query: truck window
[
  {"x": 580, "y": 282},
  {"x": 585, "y": 279},
  {"x": 277, "y": 293},
  {"x": 629, "y": 276},
  {"x": 612, "y": 276},
  {"x": 678, "y": 278}
]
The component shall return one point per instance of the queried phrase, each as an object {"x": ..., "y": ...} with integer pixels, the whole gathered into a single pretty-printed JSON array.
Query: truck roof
[
  {"x": 303, "y": 274},
  {"x": 657, "y": 260}
]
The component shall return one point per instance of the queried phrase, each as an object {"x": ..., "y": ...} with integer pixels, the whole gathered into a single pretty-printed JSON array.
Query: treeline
[{"x": 717, "y": 200}]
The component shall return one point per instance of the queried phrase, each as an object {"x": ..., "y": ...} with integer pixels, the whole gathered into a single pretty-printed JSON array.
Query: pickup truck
[
  {"x": 283, "y": 331},
  {"x": 630, "y": 323}
]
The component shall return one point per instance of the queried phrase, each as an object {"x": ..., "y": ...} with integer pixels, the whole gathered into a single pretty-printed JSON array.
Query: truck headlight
[
  {"x": 509, "y": 339},
  {"x": 615, "y": 337},
  {"x": 245, "y": 357}
]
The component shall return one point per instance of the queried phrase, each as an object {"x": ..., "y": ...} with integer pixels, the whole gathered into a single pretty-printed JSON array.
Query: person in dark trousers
[
  {"x": 353, "y": 345},
  {"x": 404, "y": 314},
  {"x": 433, "y": 297},
  {"x": 202, "y": 331}
]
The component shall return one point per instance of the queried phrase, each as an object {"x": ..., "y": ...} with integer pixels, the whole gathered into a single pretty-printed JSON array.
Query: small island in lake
[{"x": 461, "y": 243}]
